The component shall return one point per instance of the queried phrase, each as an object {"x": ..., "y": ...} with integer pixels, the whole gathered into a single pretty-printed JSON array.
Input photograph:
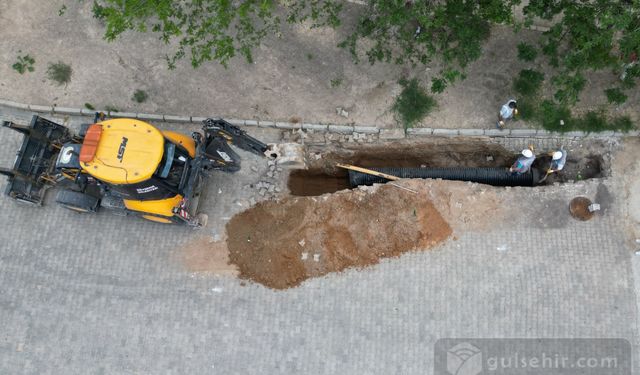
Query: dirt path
[{"x": 291, "y": 76}]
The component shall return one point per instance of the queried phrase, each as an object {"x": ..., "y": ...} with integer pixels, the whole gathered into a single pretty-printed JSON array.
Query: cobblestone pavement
[{"x": 109, "y": 295}]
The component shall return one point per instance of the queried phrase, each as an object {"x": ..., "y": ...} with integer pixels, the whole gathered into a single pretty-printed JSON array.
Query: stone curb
[{"x": 384, "y": 133}]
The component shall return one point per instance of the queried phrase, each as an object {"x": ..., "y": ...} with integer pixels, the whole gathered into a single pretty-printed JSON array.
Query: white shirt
[{"x": 507, "y": 112}]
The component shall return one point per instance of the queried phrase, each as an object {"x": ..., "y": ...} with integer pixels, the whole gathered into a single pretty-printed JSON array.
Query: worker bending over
[
  {"x": 558, "y": 159},
  {"x": 524, "y": 162}
]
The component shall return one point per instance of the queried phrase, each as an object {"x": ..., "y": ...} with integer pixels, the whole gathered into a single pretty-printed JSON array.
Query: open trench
[
  {"x": 281, "y": 243},
  {"x": 456, "y": 161}
]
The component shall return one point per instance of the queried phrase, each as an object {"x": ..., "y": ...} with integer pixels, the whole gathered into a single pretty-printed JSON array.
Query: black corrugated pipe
[{"x": 489, "y": 176}]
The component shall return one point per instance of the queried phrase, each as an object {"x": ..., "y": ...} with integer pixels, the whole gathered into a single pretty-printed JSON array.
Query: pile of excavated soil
[{"x": 281, "y": 244}]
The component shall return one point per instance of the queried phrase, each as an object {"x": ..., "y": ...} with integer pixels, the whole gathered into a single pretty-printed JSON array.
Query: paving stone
[
  {"x": 266, "y": 124},
  {"x": 523, "y": 132},
  {"x": 67, "y": 111},
  {"x": 445, "y": 132},
  {"x": 12, "y": 104},
  {"x": 182, "y": 119},
  {"x": 420, "y": 131},
  {"x": 198, "y": 120},
  {"x": 316, "y": 127},
  {"x": 471, "y": 132},
  {"x": 497, "y": 132},
  {"x": 288, "y": 125},
  {"x": 41, "y": 108},
  {"x": 150, "y": 117},
  {"x": 366, "y": 129},
  {"x": 123, "y": 114},
  {"x": 341, "y": 128}
]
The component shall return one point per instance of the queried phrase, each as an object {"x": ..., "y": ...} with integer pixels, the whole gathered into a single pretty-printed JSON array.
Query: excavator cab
[{"x": 125, "y": 165}]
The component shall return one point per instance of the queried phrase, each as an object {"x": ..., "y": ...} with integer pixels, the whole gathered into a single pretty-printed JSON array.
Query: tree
[
  {"x": 594, "y": 34},
  {"x": 416, "y": 32},
  {"x": 209, "y": 30}
]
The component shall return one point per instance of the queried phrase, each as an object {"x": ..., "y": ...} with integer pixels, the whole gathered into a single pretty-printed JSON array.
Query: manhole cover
[{"x": 579, "y": 208}]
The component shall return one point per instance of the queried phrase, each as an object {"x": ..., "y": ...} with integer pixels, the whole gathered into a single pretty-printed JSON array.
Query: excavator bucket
[{"x": 35, "y": 160}]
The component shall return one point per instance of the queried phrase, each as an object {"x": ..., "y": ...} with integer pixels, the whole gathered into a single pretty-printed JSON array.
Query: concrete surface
[{"x": 104, "y": 294}]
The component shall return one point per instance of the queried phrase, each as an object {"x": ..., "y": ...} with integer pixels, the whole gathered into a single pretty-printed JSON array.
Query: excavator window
[
  {"x": 167, "y": 160},
  {"x": 171, "y": 167}
]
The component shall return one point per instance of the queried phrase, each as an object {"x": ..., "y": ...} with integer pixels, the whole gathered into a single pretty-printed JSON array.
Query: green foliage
[
  {"x": 110, "y": 108},
  {"x": 558, "y": 118},
  {"x": 527, "y": 108},
  {"x": 416, "y": 32},
  {"x": 413, "y": 103},
  {"x": 438, "y": 85},
  {"x": 140, "y": 96},
  {"x": 62, "y": 10},
  {"x": 555, "y": 117},
  {"x": 622, "y": 123},
  {"x": 527, "y": 52},
  {"x": 24, "y": 64},
  {"x": 615, "y": 96},
  {"x": 569, "y": 87},
  {"x": 89, "y": 106},
  {"x": 211, "y": 30},
  {"x": 528, "y": 83},
  {"x": 598, "y": 34},
  {"x": 336, "y": 82},
  {"x": 59, "y": 72}
]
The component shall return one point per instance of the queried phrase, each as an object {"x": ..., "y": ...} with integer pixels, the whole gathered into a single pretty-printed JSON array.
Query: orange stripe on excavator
[{"x": 90, "y": 143}]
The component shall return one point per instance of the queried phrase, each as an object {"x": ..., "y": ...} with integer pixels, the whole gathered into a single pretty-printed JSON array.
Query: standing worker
[
  {"x": 508, "y": 110},
  {"x": 524, "y": 162}
]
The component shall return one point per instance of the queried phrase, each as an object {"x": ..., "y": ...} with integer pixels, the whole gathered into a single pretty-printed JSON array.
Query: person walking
[
  {"x": 524, "y": 162},
  {"x": 508, "y": 110}
]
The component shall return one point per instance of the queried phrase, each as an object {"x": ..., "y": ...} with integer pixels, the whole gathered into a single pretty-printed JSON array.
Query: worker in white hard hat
[
  {"x": 558, "y": 159},
  {"x": 524, "y": 162}
]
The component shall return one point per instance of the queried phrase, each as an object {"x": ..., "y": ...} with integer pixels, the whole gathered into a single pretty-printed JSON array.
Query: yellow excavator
[{"x": 124, "y": 165}]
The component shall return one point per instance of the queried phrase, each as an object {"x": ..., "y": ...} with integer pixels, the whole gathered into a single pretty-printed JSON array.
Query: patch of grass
[
  {"x": 438, "y": 85},
  {"x": 110, "y": 108},
  {"x": 140, "y": 96},
  {"x": 336, "y": 82},
  {"x": 555, "y": 117},
  {"x": 527, "y": 52},
  {"x": 615, "y": 96},
  {"x": 89, "y": 106},
  {"x": 62, "y": 10},
  {"x": 527, "y": 109},
  {"x": 593, "y": 122},
  {"x": 622, "y": 123},
  {"x": 60, "y": 73},
  {"x": 413, "y": 104},
  {"x": 551, "y": 114},
  {"x": 528, "y": 83},
  {"x": 309, "y": 56},
  {"x": 24, "y": 64}
]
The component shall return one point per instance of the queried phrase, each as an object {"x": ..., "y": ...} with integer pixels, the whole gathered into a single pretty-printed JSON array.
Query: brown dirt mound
[{"x": 281, "y": 244}]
